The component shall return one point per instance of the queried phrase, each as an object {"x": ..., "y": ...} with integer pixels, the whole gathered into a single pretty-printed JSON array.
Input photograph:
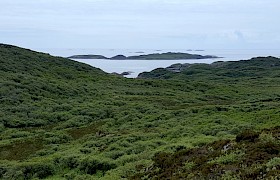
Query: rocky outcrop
[{"x": 178, "y": 67}]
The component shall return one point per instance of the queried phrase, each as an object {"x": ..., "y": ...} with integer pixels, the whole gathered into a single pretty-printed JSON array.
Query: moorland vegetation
[{"x": 61, "y": 119}]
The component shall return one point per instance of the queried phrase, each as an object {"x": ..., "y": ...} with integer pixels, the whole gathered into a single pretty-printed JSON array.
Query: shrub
[
  {"x": 55, "y": 138},
  {"x": 39, "y": 170},
  {"x": 229, "y": 176},
  {"x": 228, "y": 158},
  {"x": 29, "y": 170},
  {"x": 13, "y": 174},
  {"x": 92, "y": 165},
  {"x": 273, "y": 163},
  {"x": 115, "y": 154},
  {"x": 71, "y": 161},
  {"x": 20, "y": 134},
  {"x": 86, "y": 150},
  {"x": 189, "y": 165},
  {"x": 125, "y": 159},
  {"x": 267, "y": 138},
  {"x": 247, "y": 135},
  {"x": 2, "y": 127}
]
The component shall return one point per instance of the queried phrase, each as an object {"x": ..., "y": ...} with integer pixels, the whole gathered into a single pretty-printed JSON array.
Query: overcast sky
[{"x": 135, "y": 24}]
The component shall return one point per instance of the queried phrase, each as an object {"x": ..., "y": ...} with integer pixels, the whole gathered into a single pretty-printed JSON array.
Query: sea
[{"x": 138, "y": 66}]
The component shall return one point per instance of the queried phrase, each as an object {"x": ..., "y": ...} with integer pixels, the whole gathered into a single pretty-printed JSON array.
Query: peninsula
[{"x": 155, "y": 56}]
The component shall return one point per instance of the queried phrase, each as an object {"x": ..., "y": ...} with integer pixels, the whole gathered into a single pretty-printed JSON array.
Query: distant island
[
  {"x": 155, "y": 56},
  {"x": 89, "y": 56}
]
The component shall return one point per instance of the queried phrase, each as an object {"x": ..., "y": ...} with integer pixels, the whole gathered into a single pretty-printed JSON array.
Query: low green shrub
[
  {"x": 229, "y": 158},
  {"x": 57, "y": 138},
  {"x": 267, "y": 138},
  {"x": 27, "y": 170},
  {"x": 115, "y": 154},
  {"x": 189, "y": 165},
  {"x": 71, "y": 161},
  {"x": 39, "y": 170},
  {"x": 91, "y": 165},
  {"x": 273, "y": 163}
]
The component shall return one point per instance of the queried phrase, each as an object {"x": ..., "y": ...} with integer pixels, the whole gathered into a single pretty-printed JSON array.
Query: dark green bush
[
  {"x": 71, "y": 161},
  {"x": 247, "y": 135},
  {"x": 39, "y": 170},
  {"x": 26, "y": 171},
  {"x": 92, "y": 165}
]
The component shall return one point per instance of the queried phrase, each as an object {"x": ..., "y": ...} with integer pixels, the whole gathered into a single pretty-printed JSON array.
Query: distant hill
[
  {"x": 254, "y": 68},
  {"x": 87, "y": 57},
  {"x": 156, "y": 56}
]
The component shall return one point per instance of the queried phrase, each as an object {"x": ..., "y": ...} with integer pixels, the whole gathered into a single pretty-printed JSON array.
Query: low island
[{"x": 155, "y": 56}]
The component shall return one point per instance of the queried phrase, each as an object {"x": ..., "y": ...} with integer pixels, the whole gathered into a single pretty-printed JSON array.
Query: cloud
[{"x": 170, "y": 22}]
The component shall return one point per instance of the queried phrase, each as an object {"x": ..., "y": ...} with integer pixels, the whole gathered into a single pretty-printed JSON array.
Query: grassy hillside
[
  {"x": 255, "y": 68},
  {"x": 60, "y": 119}
]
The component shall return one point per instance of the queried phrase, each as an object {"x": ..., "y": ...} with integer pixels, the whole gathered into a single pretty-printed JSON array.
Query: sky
[{"x": 141, "y": 24}]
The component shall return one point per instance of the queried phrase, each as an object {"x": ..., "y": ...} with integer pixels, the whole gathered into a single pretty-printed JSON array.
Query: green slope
[
  {"x": 33, "y": 82},
  {"x": 60, "y": 119},
  {"x": 261, "y": 67}
]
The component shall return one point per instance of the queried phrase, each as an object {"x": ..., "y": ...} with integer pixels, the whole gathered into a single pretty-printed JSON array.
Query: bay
[{"x": 138, "y": 66}]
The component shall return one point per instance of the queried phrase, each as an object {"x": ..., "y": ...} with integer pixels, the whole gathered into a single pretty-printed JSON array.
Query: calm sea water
[{"x": 138, "y": 66}]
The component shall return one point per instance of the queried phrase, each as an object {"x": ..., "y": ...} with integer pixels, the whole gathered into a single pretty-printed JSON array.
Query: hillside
[
  {"x": 156, "y": 56},
  {"x": 261, "y": 67},
  {"x": 60, "y": 119}
]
